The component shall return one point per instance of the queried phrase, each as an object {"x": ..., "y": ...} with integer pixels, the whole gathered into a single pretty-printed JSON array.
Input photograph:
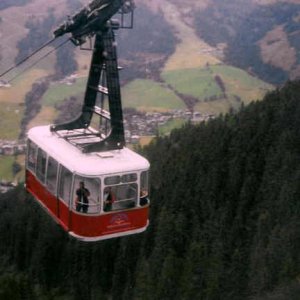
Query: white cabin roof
[{"x": 90, "y": 164}]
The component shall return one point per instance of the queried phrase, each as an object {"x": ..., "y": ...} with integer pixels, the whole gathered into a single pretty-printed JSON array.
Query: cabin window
[
  {"x": 65, "y": 185},
  {"x": 112, "y": 180},
  {"x": 86, "y": 195},
  {"x": 129, "y": 177},
  {"x": 51, "y": 179},
  {"x": 119, "y": 197},
  {"x": 31, "y": 155},
  {"x": 41, "y": 165},
  {"x": 145, "y": 181},
  {"x": 144, "y": 188}
]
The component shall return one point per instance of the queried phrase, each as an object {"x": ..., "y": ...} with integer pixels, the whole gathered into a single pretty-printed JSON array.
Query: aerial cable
[
  {"x": 41, "y": 58},
  {"x": 27, "y": 57},
  {"x": 33, "y": 53}
]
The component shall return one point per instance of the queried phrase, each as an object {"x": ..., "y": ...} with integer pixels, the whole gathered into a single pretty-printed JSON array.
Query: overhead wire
[
  {"x": 31, "y": 54},
  {"x": 27, "y": 57},
  {"x": 14, "y": 66},
  {"x": 37, "y": 61}
]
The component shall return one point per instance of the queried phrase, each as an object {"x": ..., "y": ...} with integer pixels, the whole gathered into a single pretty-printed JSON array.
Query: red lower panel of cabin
[{"x": 86, "y": 226}]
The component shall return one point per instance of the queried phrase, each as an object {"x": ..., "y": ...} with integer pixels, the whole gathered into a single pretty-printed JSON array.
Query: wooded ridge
[{"x": 224, "y": 220}]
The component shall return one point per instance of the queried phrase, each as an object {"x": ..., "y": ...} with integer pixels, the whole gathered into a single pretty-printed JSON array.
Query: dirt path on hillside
[{"x": 191, "y": 51}]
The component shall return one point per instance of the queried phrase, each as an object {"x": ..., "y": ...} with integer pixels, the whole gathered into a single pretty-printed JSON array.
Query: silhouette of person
[
  {"x": 143, "y": 197},
  {"x": 82, "y": 200},
  {"x": 109, "y": 199}
]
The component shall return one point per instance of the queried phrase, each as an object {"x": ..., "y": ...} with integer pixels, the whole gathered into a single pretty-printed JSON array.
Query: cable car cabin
[{"x": 114, "y": 201}]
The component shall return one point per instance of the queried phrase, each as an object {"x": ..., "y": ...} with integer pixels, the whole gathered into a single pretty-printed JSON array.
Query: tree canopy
[{"x": 224, "y": 220}]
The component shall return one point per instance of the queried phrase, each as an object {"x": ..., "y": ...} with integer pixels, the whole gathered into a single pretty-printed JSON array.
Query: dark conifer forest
[
  {"x": 224, "y": 223},
  {"x": 242, "y": 24}
]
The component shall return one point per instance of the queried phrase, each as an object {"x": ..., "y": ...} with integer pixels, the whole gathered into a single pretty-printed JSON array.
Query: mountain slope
[
  {"x": 224, "y": 220},
  {"x": 182, "y": 49},
  {"x": 260, "y": 38}
]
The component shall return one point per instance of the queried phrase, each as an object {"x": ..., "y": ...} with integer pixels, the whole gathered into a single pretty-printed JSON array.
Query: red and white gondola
[
  {"x": 113, "y": 197},
  {"x": 55, "y": 169}
]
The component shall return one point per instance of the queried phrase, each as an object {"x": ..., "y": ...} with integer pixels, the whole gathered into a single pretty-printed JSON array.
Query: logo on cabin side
[{"x": 119, "y": 220}]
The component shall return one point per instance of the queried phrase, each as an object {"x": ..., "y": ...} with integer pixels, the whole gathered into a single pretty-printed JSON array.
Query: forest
[
  {"x": 243, "y": 28},
  {"x": 39, "y": 32},
  {"x": 224, "y": 221},
  {"x": 137, "y": 49},
  {"x": 159, "y": 42}
]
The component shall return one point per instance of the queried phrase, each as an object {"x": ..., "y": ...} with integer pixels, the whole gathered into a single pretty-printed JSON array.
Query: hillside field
[
  {"x": 6, "y": 167},
  {"x": 59, "y": 91},
  {"x": 170, "y": 125},
  {"x": 239, "y": 82},
  {"x": 188, "y": 72},
  {"x": 197, "y": 82},
  {"x": 11, "y": 115},
  {"x": 147, "y": 95}
]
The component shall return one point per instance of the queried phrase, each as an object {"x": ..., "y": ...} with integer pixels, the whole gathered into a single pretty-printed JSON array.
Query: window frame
[
  {"x": 31, "y": 145},
  {"x": 75, "y": 186},
  {"x": 41, "y": 166},
  {"x": 55, "y": 189},
  {"x": 144, "y": 188},
  {"x": 121, "y": 183},
  {"x": 61, "y": 180}
]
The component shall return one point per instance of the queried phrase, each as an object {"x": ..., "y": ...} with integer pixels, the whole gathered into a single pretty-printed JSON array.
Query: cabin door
[{"x": 65, "y": 196}]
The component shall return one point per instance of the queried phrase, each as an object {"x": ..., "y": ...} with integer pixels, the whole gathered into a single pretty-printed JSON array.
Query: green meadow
[
  {"x": 11, "y": 115},
  {"x": 147, "y": 95},
  {"x": 198, "y": 83},
  {"x": 186, "y": 73},
  {"x": 170, "y": 125},
  {"x": 60, "y": 91},
  {"x": 240, "y": 83},
  {"x": 201, "y": 84},
  {"x": 6, "y": 163}
]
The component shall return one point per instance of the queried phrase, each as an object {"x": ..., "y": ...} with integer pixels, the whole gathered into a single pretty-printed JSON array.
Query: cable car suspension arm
[
  {"x": 95, "y": 20},
  {"x": 104, "y": 61},
  {"x": 92, "y": 19}
]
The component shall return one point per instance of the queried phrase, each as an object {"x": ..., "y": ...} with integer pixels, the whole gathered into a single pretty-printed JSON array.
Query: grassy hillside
[
  {"x": 12, "y": 27},
  {"x": 148, "y": 95},
  {"x": 60, "y": 91},
  {"x": 241, "y": 83},
  {"x": 6, "y": 167},
  {"x": 223, "y": 224},
  {"x": 164, "y": 65},
  {"x": 261, "y": 38},
  {"x": 170, "y": 125},
  {"x": 201, "y": 83},
  {"x": 11, "y": 115},
  {"x": 46, "y": 116},
  {"x": 191, "y": 52},
  {"x": 21, "y": 86},
  {"x": 197, "y": 82},
  {"x": 184, "y": 70}
]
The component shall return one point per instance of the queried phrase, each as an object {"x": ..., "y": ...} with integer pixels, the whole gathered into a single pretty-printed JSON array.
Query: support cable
[
  {"x": 27, "y": 57},
  {"x": 41, "y": 58}
]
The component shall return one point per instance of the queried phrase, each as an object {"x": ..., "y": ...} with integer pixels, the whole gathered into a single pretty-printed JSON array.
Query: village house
[{"x": 12, "y": 147}]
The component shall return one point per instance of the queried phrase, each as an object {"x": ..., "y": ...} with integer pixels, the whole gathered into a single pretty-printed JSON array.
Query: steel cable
[{"x": 36, "y": 62}]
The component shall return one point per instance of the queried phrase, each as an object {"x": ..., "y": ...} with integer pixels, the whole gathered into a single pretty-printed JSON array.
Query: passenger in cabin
[
  {"x": 82, "y": 200},
  {"x": 109, "y": 199},
  {"x": 143, "y": 197}
]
